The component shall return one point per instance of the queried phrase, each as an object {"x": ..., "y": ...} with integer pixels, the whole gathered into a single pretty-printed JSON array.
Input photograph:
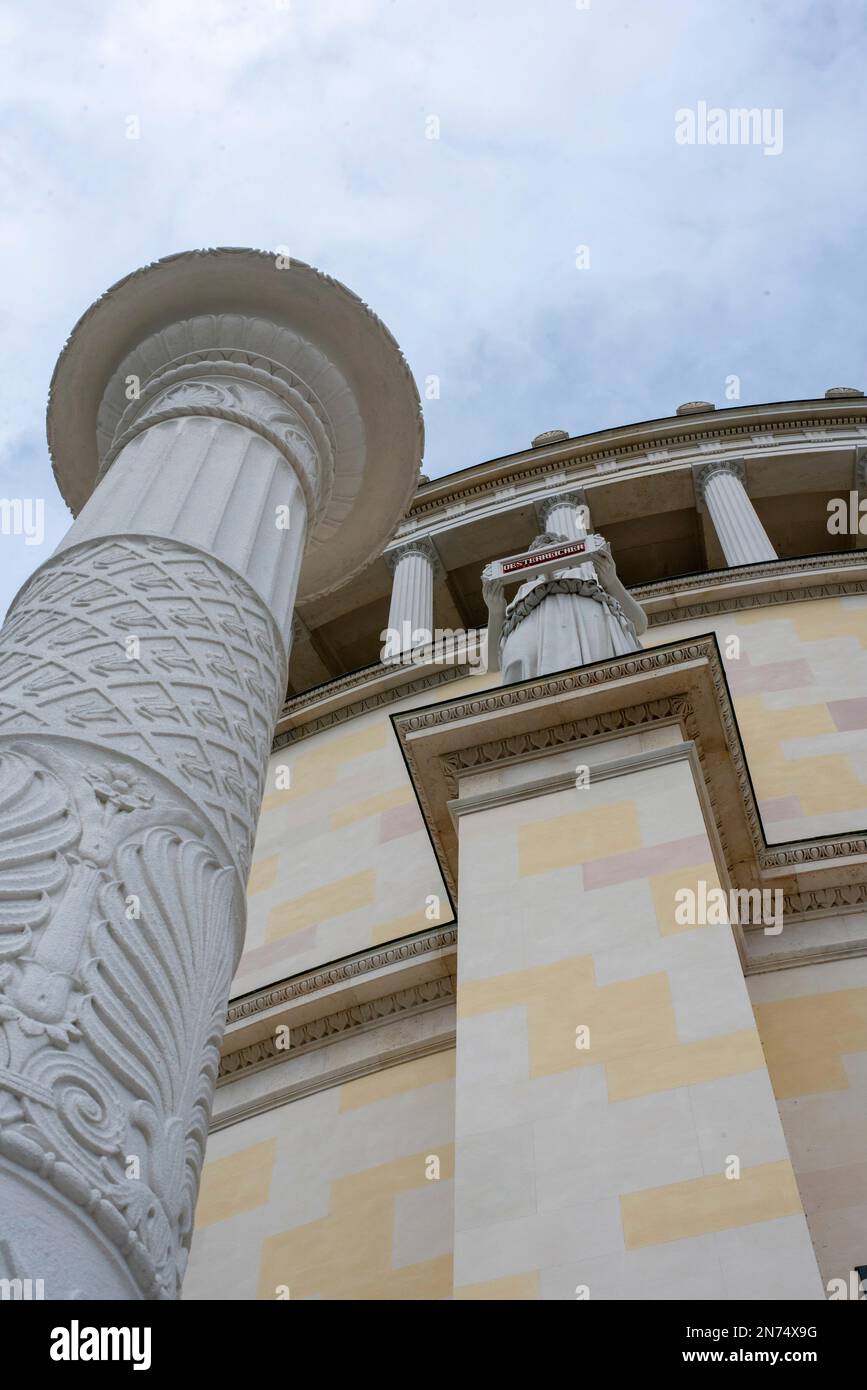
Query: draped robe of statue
[{"x": 572, "y": 617}]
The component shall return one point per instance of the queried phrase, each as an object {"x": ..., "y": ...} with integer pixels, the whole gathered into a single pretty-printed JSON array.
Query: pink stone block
[
  {"x": 274, "y": 951},
  {"x": 849, "y": 714},
  {"x": 746, "y": 679},
  {"x": 780, "y": 808},
  {"x": 399, "y": 821},
  {"x": 644, "y": 863}
]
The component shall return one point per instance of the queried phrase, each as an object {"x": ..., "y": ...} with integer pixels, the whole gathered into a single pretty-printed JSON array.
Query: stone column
[
  {"x": 142, "y": 668},
  {"x": 722, "y": 487},
  {"x": 410, "y": 620},
  {"x": 564, "y": 514}
]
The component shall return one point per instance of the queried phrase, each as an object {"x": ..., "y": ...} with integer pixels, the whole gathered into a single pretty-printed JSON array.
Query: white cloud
[{"x": 305, "y": 126}]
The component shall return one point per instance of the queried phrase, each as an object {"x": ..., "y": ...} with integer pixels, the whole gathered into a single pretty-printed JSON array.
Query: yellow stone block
[
  {"x": 262, "y": 875},
  {"x": 716, "y": 1203},
  {"x": 320, "y": 904},
  {"x": 317, "y": 768},
  {"x": 348, "y": 1253},
  {"x": 577, "y": 837},
  {"x": 234, "y": 1184},
  {"x": 805, "y": 1039},
  {"x": 664, "y": 888},
  {"x": 371, "y": 806},
  {"x": 683, "y": 1064},
  {"x": 396, "y": 1081},
  {"x": 630, "y": 1025},
  {"x": 814, "y": 621}
]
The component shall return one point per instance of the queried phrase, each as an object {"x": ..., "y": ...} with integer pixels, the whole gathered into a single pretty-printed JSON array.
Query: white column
[
  {"x": 142, "y": 669},
  {"x": 414, "y": 566},
  {"x": 722, "y": 486},
  {"x": 565, "y": 514}
]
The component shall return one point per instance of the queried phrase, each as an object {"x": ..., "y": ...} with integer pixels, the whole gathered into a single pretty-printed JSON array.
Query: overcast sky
[{"x": 306, "y": 123}]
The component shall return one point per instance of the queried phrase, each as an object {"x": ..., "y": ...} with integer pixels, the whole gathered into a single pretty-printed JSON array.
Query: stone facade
[{"x": 596, "y": 1173}]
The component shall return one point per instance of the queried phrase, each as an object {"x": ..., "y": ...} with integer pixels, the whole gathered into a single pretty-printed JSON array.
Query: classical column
[
  {"x": 242, "y": 421},
  {"x": 722, "y": 487},
  {"x": 564, "y": 514},
  {"x": 414, "y": 566}
]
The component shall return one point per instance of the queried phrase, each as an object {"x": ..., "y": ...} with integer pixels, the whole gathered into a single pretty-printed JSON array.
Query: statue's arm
[
  {"x": 495, "y": 598},
  {"x": 607, "y": 575}
]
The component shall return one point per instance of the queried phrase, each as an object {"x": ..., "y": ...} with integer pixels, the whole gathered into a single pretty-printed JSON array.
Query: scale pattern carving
[{"x": 199, "y": 702}]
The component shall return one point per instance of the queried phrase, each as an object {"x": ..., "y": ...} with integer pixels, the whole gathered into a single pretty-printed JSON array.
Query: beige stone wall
[
  {"x": 342, "y": 859},
  {"x": 565, "y": 911},
  {"x": 799, "y": 688},
  {"x": 813, "y": 1025},
  {"x": 333, "y": 1196},
  {"x": 605, "y": 1167}
]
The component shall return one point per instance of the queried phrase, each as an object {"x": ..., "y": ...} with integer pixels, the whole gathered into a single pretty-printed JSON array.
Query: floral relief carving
[{"x": 117, "y": 921}]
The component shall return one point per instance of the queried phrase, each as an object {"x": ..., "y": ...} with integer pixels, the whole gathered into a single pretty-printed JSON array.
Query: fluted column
[
  {"x": 142, "y": 669},
  {"x": 722, "y": 487},
  {"x": 414, "y": 566}
]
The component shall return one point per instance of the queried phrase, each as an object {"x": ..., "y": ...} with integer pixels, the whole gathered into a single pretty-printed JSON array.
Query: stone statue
[{"x": 567, "y": 617}]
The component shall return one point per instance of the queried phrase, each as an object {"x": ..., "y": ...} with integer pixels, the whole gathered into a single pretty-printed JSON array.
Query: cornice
[
  {"x": 762, "y": 570},
  {"x": 577, "y": 460},
  {"x": 288, "y": 991},
  {"x": 346, "y": 708},
  {"x": 368, "y": 1006},
  {"x": 319, "y": 1032},
  {"x": 764, "y": 585},
  {"x": 685, "y": 684}
]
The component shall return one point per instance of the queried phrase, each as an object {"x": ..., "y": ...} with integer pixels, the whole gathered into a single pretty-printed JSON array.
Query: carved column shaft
[
  {"x": 742, "y": 536},
  {"x": 142, "y": 669}
]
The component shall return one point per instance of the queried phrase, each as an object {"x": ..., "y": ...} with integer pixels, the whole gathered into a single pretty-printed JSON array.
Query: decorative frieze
[
  {"x": 404, "y": 951},
  {"x": 281, "y": 1046}
]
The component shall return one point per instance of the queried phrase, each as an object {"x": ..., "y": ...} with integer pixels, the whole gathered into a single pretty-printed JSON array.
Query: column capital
[
  {"x": 568, "y": 497},
  {"x": 272, "y": 345},
  {"x": 703, "y": 472},
  {"x": 419, "y": 545},
  {"x": 265, "y": 397}
]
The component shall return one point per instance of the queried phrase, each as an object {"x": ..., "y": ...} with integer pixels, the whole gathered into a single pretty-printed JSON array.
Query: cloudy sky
[{"x": 307, "y": 124}]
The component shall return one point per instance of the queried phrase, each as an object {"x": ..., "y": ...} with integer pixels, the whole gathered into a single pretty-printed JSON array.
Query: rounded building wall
[
  {"x": 343, "y": 862},
  {"x": 326, "y": 1135}
]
